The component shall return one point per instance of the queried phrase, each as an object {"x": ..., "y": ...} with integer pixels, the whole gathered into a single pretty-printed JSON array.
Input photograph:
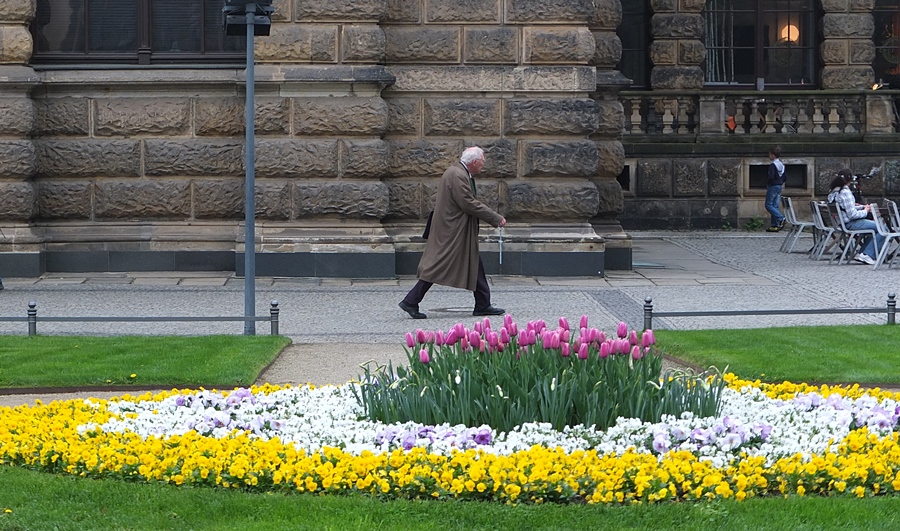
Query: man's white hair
[{"x": 471, "y": 154}]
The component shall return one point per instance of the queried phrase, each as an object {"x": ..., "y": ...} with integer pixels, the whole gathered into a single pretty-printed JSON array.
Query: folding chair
[
  {"x": 892, "y": 213},
  {"x": 852, "y": 237},
  {"x": 823, "y": 233},
  {"x": 890, "y": 235},
  {"x": 797, "y": 226}
]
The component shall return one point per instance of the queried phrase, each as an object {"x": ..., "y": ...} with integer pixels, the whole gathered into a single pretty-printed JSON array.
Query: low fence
[
  {"x": 32, "y": 319},
  {"x": 890, "y": 309}
]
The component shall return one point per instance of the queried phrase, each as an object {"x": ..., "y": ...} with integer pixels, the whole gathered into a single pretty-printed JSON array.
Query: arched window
[
  {"x": 634, "y": 32},
  {"x": 755, "y": 43},
  {"x": 132, "y": 32}
]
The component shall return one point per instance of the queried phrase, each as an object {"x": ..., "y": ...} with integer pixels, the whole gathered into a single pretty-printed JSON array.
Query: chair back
[
  {"x": 818, "y": 220},
  {"x": 833, "y": 217},
  {"x": 893, "y": 213},
  {"x": 880, "y": 225},
  {"x": 787, "y": 206}
]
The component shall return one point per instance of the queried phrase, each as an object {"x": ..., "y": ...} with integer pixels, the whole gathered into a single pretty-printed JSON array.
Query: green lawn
[
  {"x": 863, "y": 354},
  {"x": 73, "y": 361}
]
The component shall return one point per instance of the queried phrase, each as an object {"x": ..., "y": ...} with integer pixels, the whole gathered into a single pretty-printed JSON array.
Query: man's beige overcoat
[{"x": 451, "y": 253}]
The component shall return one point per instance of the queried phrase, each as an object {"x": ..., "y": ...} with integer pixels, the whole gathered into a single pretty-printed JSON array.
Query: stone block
[
  {"x": 676, "y": 77},
  {"x": 607, "y": 49},
  {"x": 219, "y": 199},
  {"x": 88, "y": 158},
  {"x": 654, "y": 178},
  {"x": 891, "y": 173},
  {"x": 225, "y": 116},
  {"x": 427, "y": 44},
  {"x": 835, "y": 52},
  {"x": 557, "y": 201},
  {"x": 142, "y": 199},
  {"x": 362, "y": 44},
  {"x": 194, "y": 157},
  {"x": 364, "y": 159},
  {"x": 500, "y": 156},
  {"x": 551, "y": 117},
  {"x": 405, "y": 200},
  {"x": 610, "y": 159},
  {"x": 17, "y": 201},
  {"x": 724, "y": 177},
  {"x": 18, "y": 159},
  {"x": 691, "y": 6},
  {"x": 16, "y": 116},
  {"x": 422, "y": 78},
  {"x": 691, "y": 52},
  {"x": 404, "y": 11},
  {"x": 489, "y": 194},
  {"x": 291, "y": 43},
  {"x": 712, "y": 214},
  {"x": 607, "y": 15},
  {"x": 848, "y": 77},
  {"x": 664, "y": 6},
  {"x": 141, "y": 116},
  {"x": 462, "y": 117},
  {"x": 64, "y": 199},
  {"x": 611, "y": 200},
  {"x": 451, "y": 11},
  {"x": 16, "y": 10},
  {"x": 273, "y": 200},
  {"x": 340, "y": 116},
  {"x": 561, "y": 158},
  {"x": 863, "y": 6},
  {"x": 827, "y": 169},
  {"x": 862, "y": 52},
  {"x": 556, "y": 44},
  {"x": 348, "y": 10},
  {"x": 344, "y": 199},
  {"x": 611, "y": 115},
  {"x": 879, "y": 113},
  {"x": 282, "y": 10},
  {"x": 650, "y": 214},
  {"x": 848, "y": 25},
  {"x": 835, "y": 6},
  {"x": 543, "y": 11},
  {"x": 294, "y": 158},
  {"x": 423, "y": 159},
  {"x": 664, "y": 52},
  {"x": 689, "y": 178},
  {"x": 490, "y": 44},
  {"x": 404, "y": 116},
  {"x": 61, "y": 116},
  {"x": 15, "y": 44},
  {"x": 677, "y": 26}
]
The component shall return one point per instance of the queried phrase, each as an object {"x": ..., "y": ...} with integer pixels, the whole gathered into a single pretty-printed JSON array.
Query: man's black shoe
[
  {"x": 1, "y": 285},
  {"x": 490, "y": 310},
  {"x": 413, "y": 311}
]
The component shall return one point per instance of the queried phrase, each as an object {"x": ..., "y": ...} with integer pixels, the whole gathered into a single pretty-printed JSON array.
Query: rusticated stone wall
[
  {"x": 848, "y": 50},
  {"x": 677, "y": 51}
]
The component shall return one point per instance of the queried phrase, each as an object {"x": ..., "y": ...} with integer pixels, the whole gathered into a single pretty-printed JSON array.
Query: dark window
[
  {"x": 634, "y": 32},
  {"x": 887, "y": 42},
  {"x": 624, "y": 178},
  {"x": 133, "y": 32},
  {"x": 753, "y": 42},
  {"x": 795, "y": 176}
]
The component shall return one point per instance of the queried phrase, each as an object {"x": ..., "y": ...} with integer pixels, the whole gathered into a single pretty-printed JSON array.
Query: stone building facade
[{"x": 360, "y": 106}]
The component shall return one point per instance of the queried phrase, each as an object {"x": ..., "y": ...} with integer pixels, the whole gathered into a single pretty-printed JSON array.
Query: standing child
[{"x": 774, "y": 183}]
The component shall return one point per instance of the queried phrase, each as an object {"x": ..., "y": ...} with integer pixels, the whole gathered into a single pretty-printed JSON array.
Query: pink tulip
[
  {"x": 583, "y": 352},
  {"x": 554, "y": 340},
  {"x": 624, "y": 346},
  {"x": 622, "y": 330},
  {"x": 464, "y": 343},
  {"x": 594, "y": 335},
  {"x": 460, "y": 330},
  {"x": 486, "y": 325},
  {"x": 513, "y": 329},
  {"x": 451, "y": 337},
  {"x": 477, "y": 326},
  {"x": 482, "y": 346},
  {"x": 410, "y": 340},
  {"x": 504, "y": 335},
  {"x": 563, "y": 323},
  {"x": 439, "y": 338},
  {"x": 565, "y": 350},
  {"x": 605, "y": 349},
  {"x": 647, "y": 338},
  {"x": 577, "y": 345},
  {"x": 601, "y": 336},
  {"x": 584, "y": 322},
  {"x": 532, "y": 337},
  {"x": 507, "y": 320},
  {"x": 539, "y": 325},
  {"x": 633, "y": 338},
  {"x": 474, "y": 339},
  {"x": 420, "y": 336},
  {"x": 429, "y": 337},
  {"x": 636, "y": 353},
  {"x": 491, "y": 339},
  {"x": 545, "y": 340},
  {"x": 423, "y": 356},
  {"x": 565, "y": 336}
]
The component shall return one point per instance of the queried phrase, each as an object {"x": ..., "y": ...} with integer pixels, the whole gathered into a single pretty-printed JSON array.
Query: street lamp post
[{"x": 250, "y": 19}]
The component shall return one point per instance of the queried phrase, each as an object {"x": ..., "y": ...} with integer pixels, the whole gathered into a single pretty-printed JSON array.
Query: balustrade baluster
[
  {"x": 668, "y": 116},
  {"x": 818, "y": 117},
  {"x": 851, "y": 116},
  {"x": 834, "y": 117}
]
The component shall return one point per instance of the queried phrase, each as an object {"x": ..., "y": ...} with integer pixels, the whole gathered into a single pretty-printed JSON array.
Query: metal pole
[
  {"x": 273, "y": 317},
  {"x": 32, "y": 318},
  {"x": 648, "y": 313},
  {"x": 892, "y": 308},
  {"x": 249, "y": 185}
]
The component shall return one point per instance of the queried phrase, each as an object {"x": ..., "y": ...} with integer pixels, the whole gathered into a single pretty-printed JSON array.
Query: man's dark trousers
[{"x": 482, "y": 291}]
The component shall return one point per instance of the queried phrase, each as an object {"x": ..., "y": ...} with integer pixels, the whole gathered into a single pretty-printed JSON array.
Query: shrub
[{"x": 507, "y": 378}]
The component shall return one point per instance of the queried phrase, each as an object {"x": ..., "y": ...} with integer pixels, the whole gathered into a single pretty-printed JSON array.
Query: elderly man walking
[{"x": 451, "y": 252}]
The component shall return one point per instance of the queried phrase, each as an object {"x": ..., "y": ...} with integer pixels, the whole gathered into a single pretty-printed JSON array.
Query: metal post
[
  {"x": 273, "y": 317},
  {"x": 249, "y": 184},
  {"x": 892, "y": 308},
  {"x": 32, "y": 318},
  {"x": 648, "y": 313}
]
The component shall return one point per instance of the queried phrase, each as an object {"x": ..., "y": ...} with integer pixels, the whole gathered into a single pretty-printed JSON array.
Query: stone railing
[{"x": 681, "y": 113}]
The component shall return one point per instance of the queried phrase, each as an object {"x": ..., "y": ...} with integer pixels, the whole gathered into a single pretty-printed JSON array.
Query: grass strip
[
  {"x": 167, "y": 361},
  {"x": 865, "y": 354}
]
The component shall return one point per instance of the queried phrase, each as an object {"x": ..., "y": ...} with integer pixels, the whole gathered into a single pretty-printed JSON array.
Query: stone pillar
[
  {"x": 677, "y": 50},
  {"x": 17, "y": 194},
  {"x": 848, "y": 50}
]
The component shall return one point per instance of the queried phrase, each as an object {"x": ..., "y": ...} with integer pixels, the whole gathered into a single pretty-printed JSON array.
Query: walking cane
[{"x": 501, "y": 245}]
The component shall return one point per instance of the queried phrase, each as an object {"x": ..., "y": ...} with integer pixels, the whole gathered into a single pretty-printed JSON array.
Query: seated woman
[{"x": 854, "y": 216}]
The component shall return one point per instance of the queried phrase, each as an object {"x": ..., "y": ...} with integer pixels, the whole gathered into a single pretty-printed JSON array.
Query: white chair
[
  {"x": 823, "y": 233},
  {"x": 889, "y": 235},
  {"x": 796, "y": 226},
  {"x": 892, "y": 212},
  {"x": 852, "y": 238}
]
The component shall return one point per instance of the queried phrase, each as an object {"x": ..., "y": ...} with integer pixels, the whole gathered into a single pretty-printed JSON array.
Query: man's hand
[{"x": 502, "y": 222}]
